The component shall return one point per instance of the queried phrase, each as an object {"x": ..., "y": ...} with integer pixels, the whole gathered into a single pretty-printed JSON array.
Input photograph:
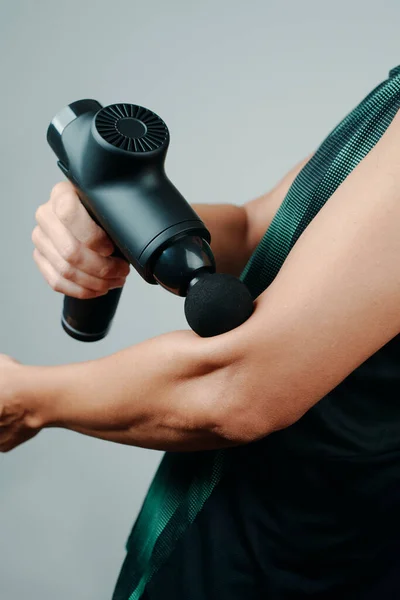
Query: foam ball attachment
[{"x": 217, "y": 303}]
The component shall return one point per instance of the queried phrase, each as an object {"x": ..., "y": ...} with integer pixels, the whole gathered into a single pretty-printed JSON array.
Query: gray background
[{"x": 247, "y": 89}]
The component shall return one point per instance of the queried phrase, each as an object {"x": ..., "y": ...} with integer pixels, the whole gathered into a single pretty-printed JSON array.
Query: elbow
[
  {"x": 248, "y": 421},
  {"x": 243, "y": 425},
  {"x": 222, "y": 407},
  {"x": 246, "y": 411},
  {"x": 237, "y": 401},
  {"x": 239, "y": 429},
  {"x": 241, "y": 413}
]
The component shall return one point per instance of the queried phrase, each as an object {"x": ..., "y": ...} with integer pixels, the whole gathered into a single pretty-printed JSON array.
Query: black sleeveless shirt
[
  {"x": 312, "y": 511},
  {"x": 309, "y": 512}
]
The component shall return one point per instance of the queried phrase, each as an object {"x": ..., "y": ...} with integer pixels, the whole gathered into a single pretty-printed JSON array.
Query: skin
[
  {"x": 73, "y": 254},
  {"x": 333, "y": 304}
]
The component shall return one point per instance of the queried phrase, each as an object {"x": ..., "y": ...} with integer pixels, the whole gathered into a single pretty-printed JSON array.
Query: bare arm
[
  {"x": 74, "y": 256},
  {"x": 163, "y": 393},
  {"x": 334, "y": 303},
  {"x": 237, "y": 230}
]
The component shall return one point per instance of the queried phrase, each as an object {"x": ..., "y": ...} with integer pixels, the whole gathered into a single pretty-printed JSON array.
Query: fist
[
  {"x": 71, "y": 251},
  {"x": 18, "y": 421}
]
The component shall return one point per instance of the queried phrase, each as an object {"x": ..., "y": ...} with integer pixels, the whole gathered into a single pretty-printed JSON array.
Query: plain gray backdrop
[{"x": 247, "y": 90}]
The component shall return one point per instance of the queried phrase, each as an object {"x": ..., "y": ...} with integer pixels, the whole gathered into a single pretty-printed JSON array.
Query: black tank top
[{"x": 309, "y": 512}]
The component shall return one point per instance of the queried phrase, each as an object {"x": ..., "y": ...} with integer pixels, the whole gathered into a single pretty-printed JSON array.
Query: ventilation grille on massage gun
[{"x": 131, "y": 127}]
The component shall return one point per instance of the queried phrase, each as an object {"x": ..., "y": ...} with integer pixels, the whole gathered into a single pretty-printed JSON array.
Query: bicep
[{"x": 335, "y": 301}]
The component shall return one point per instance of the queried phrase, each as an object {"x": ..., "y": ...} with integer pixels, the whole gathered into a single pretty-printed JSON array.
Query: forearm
[
  {"x": 227, "y": 224},
  {"x": 165, "y": 393}
]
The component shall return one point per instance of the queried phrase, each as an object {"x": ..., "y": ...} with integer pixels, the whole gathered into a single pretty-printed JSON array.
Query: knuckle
[
  {"x": 55, "y": 282},
  {"x": 104, "y": 286},
  {"x": 36, "y": 256},
  {"x": 85, "y": 294},
  {"x": 65, "y": 206},
  {"x": 106, "y": 270},
  {"x": 35, "y": 235},
  {"x": 66, "y": 270},
  {"x": 96, "y": 239},
  {"x": 59, "y": 188},
  {"x": 39, "y": 212},
  {"x": 71, "y": 251}
]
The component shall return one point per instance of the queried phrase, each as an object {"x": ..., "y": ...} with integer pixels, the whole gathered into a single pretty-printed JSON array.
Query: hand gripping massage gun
[{"x": 114, "y": 156}]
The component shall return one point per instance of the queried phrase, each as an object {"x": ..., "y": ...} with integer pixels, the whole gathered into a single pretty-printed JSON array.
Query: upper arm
[
  {"x": 261, "y": 211},
  {"x": 334, "y": 303}
]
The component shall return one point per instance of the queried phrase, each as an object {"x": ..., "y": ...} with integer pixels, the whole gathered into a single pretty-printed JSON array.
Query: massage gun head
[{"x": 217, "y": 303}]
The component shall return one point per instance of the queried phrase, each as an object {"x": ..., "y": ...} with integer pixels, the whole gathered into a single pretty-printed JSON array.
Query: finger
[
  {"x": 15, "y": 440},
  {"x": 5, "y": 422},
  {"x": 68, "y": 271},
  {"x": 8, "y": 358},
  {"x": 67, "y": 206},
  {"x": 59, "y": 283},
  {"x": 6, "y": 434},
  {"x": 75, "y": 253}
]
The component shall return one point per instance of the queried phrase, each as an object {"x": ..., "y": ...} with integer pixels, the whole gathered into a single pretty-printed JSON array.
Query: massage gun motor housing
[{"x": 115, "y": 157}]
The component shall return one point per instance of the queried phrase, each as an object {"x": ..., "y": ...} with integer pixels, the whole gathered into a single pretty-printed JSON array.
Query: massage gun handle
[{"x": 90, "y": 320}]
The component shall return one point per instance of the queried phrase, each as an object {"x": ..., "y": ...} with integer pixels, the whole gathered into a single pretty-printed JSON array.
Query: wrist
[
  {"x": 62, "y": 395},
  {"x": 40, "y": 395}
]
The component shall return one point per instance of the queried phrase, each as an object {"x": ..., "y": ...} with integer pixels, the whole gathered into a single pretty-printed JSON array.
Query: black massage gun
[{"x": 114, "y": 156}]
